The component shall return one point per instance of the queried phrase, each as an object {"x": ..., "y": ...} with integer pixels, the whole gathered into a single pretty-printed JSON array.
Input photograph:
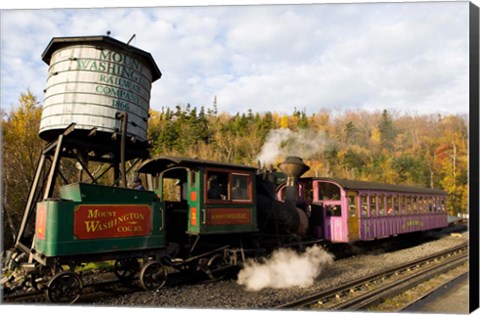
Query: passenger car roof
[
  {"x": 161, "y": 163},
  {"x": 363, "y": 185}
]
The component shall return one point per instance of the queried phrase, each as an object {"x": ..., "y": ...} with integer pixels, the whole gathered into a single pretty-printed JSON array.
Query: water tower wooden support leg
[
  {"x": 32, "y": 197},
  {"x": 48, "y": 185},
  {"x": 85, "y": 170},
  {"x": 52, "y": 175},
  {"x": 123, "y": 173}
]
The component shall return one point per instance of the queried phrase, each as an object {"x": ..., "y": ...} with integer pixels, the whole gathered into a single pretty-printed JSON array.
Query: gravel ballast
[{"x": 228, "y": 294}]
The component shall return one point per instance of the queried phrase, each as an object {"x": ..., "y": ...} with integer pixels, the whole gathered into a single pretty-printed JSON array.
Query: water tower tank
[{"x": 90, "y": 80}]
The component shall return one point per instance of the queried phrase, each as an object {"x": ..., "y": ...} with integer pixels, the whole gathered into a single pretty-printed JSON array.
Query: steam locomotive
[
  {"x": 207, "y": 217},
  {"x": 195, "y": 216}
]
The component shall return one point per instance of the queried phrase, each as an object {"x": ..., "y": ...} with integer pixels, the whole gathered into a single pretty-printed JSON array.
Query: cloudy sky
[{"x": 409, "y": 57}]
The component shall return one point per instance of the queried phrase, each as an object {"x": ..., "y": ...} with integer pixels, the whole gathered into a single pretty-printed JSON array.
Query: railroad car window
[
  {"x": 373, "y": 205},
  {"x": 415, "y": 204},
  {"x": 406, "y": 209},
  {"x": 433, "y": 204},
  {"x": 334, "y": 210},
  {"x": 364, "y": 205},
  {"x": 217, "y": 185},
  {"x": 381, "y": 205},
  {"x": 308, "y": 187},
  {"x": 396, "y": 204},
  {"x": 327, "y": 191},
  {"x": 400, "y": 204},
  {"x": 407, "y": 205},
  {"x": 389, "y": 204},
  {"x": 240, "y": 189},
  {"x": 352, "y": 205}
]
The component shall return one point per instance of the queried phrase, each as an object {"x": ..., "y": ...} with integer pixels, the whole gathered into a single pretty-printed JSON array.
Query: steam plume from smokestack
[
  {"x": 286, "y": 268},
  {"x": 285, "y": 142}
]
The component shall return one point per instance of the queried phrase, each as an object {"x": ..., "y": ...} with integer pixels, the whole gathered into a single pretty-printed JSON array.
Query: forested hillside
[{"x": 425, "y": 150}]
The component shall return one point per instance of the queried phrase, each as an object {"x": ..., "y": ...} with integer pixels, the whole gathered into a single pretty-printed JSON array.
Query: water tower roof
[{"x": 58, "y": 42}]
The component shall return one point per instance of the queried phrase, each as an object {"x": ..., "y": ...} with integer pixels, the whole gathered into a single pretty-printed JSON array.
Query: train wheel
[
  {"x": 64, "y": 287},
  {"x": 215, "y": 268},
  {"x": 126, "y": 269},
  {"x": 153, "y": 276}
]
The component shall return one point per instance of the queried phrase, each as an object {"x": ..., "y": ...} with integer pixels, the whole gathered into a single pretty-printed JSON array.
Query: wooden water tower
[{"x": 95, "y": 113}]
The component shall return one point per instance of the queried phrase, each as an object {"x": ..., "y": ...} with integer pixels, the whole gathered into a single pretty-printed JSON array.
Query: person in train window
[
  {"x": 217, "y": 187},
  {"x": 364, "y": 211},
  {"x": 214, "y": 190},
  {"x": 137, "y": 184}
]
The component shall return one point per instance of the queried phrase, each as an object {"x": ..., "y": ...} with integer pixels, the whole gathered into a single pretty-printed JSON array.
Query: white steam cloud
[
  {"x": 285, "y": 142},
  {"x": 286, "y": 268}
]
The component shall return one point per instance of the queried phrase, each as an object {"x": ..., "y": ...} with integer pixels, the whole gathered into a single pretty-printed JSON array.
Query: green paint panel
[
  {"x": 98, "y": 221},
  {"x": 89, "y": 193}
]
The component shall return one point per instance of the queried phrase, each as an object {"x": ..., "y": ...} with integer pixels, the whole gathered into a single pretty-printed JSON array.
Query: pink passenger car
[{"x": 345, "y": 211}]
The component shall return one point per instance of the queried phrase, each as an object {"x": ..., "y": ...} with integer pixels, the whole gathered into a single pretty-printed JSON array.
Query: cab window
[
  {"x": 224, "y": 186},
  {"x": 217, "y": 186},
  {"x": 240, "y": 187},
  {"x": 172, "y": 190}
]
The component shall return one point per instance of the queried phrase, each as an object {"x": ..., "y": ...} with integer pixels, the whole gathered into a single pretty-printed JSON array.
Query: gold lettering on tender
[
  {"x": 132, "y": 218},
  {"x": 100, "y": 214}
]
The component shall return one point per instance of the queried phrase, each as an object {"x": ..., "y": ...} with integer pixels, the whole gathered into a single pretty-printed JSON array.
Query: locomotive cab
[{"x": 202, "y": 199}]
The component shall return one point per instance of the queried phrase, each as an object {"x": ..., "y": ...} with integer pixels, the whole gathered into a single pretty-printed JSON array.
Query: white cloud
[{"x": 396, "y": 55}]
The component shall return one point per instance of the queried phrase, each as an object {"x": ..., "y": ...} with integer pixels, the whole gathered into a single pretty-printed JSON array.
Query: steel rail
[
  {"x": 373, "y": 297},
  {"x": 20, "y": 297},
  {"x": 40, "y": 293},
  {"x": 325, "y": 294},
  {"x": 425, "y": 294}
]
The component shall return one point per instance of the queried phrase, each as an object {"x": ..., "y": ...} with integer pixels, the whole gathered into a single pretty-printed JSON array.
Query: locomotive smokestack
[{"x": 293, "y": 167}]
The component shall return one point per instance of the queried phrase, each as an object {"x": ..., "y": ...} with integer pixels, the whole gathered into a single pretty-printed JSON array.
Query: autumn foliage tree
[
  {"x": 21, "y": 150},
  {"x": 422, "y": 150}
]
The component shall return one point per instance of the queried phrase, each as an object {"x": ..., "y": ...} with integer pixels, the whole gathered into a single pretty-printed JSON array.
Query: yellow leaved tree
[{"x": 21, "y": 149}]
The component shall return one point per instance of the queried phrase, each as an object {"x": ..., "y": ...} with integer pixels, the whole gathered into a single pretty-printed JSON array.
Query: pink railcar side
[{"x": 345, "y": 211}]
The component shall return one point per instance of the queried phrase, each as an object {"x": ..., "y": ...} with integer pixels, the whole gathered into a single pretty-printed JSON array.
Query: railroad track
[
  {"x": 373, "y": 289},
  {"x": 94, "y": 289},
  {"x": 88, "y": 291}
]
